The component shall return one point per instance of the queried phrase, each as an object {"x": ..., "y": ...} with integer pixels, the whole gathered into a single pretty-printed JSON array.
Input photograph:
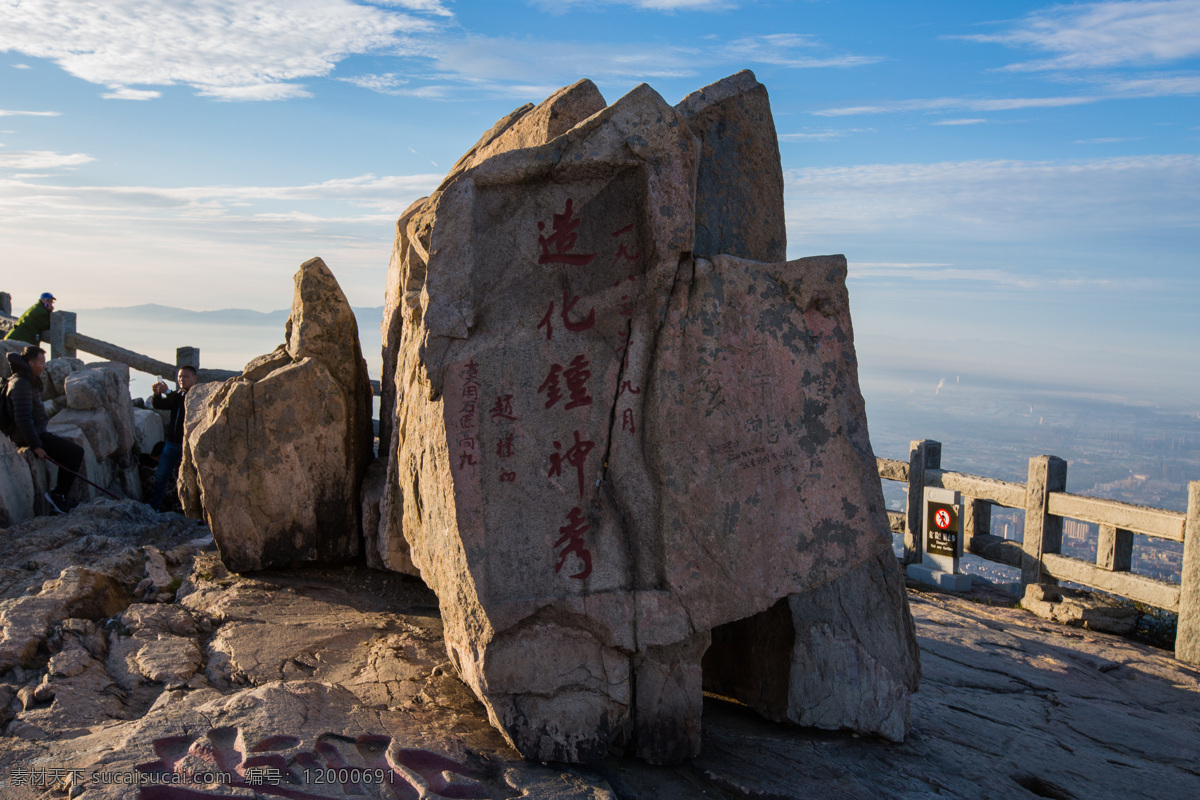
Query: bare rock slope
[{"x": 220, "y": 685}]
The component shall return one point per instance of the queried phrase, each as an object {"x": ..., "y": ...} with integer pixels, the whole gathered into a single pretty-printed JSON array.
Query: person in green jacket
[{"x": 34, "y": 322}]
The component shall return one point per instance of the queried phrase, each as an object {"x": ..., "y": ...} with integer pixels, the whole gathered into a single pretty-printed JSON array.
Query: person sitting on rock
[
  {"x": 25, "y": 396},
  {"x": 34, "y": 322},
  {"x": 172, "y": 452}
]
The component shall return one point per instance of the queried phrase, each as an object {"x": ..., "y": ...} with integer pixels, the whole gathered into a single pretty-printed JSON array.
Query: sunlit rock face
[
  {"x": 623, "y": 432},
  {"x": 274, "y": 459}
]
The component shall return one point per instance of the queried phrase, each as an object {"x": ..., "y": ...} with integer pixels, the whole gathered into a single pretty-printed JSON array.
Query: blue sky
[{"x": 1015, "y": 184}]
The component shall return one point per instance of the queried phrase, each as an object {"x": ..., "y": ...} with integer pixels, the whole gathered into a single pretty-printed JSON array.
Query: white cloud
[
  {"x": 561, "y": 6},
  {"x": 390, "y": 83},
  {"x": 109, "y": 242},
  {"x": 21, "y": 66},
  {"x": 1108, "y": 34},
  {"x": 1152, "y": 85},
  {"x": 1106, "y": 88},
  {"x": 971, "y": 121},
  {"x": 125, "y": 93},
  {"x": 820, "y": 136},
  {"x": 543, "y": 64},
  {"x": 5, "y": 113},
  {"x": 536, "y": 67},
  {"x": 984, "y": 201},
  {"x": 780, "y": 49},
  {"x": 374, "y": 193},
  {"x": 959, "y": 104},
  {"x": 41, "y": 159},
  {"x": 422, "y": 6},
  {"x": 228, "y": 49}
]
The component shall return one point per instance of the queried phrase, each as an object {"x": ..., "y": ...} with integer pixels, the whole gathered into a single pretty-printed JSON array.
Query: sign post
[{"x": 942, "y": 540}]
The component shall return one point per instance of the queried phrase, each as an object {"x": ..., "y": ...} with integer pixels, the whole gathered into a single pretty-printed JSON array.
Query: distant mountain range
[{"x": 155, "y": 313}]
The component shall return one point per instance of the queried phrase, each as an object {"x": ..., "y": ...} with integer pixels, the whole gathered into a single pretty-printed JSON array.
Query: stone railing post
[
  {"x": 1187, "y": 637},
  {"x": 62, "y": 333},
  {"x": 6, "y": 303},
  {"x": 187, "y": 357},
  {"x": 977, "y": 519},
  {"x": 1114, "y": 549},
  {"x": 1043, "y": 531},
  {"x": 923, "y": 454}
]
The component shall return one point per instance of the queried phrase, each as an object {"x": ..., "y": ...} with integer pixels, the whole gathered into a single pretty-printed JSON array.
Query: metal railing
[{"x": 1046, "y": 503}]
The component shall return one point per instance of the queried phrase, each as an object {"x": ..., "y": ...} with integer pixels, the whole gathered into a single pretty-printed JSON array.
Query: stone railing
[
  {"x": 1046, "y": 503},
  {"x": 66, "y": 342}
]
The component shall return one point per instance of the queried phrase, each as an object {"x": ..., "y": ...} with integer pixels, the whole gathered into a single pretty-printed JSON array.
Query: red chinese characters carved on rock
[
  {"x": 571, "y": 541},
  {"x": 575, "y": 456},
  {"x": 576, "y": 374},
  {"x": 466, "y": 414},
  {"x": 503, "y": 408},
  {"x": 550, "y": 385},
  {"x": 627, "y": 421},
  {"x": 626, "y": 307},
  {"x": 568, "y": 305},
  {"x": 504, "y": 446},
  {"x": 563, "y": 240},
  {"x": 622, "y": 252}
]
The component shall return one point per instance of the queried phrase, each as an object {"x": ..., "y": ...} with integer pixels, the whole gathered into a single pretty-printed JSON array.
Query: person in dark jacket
[
  {"x": 34, "y": 322},
  {"x": 172, "y": 452},
  {"x": 25, "y": 395}
]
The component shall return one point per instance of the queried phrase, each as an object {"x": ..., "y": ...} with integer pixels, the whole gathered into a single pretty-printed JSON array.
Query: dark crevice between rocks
[
  {"x": 1041, "y": 787},
  {"x": 749, "y": 660}
]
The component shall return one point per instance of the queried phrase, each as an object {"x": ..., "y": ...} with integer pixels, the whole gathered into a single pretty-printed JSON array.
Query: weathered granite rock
[
  {"x": 105, "y": 390},
  {"x": 168, "y": 659},
  {"x": 97, "y": 426},
  {"x": 77, "y": 592},
  {"x": 843, "y": 655},
  {"x": 603, "y": 448},
  {"x": 739, "y": 187},
  {"x": 527, "y": 126},
  {"x": 148, "y": 429},
  {"x": 196, "y": 405},
  {"x": 1011, "y": 706},
  {"x": 1079, "y": 608},
  {"x": 8, "y": 346},
  {"x": 278, "y": 453},
  {"x": 56, "y": 373},
  {"x": 828, "y": 633},
  {"x": 16, "y": 485}
]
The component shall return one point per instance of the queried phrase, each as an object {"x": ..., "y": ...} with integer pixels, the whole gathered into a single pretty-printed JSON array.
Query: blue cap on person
[{"x": 46, "y": 296}]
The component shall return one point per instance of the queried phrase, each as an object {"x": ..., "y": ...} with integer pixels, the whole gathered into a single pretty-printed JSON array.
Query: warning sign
[{"x": 941, "y": 538}]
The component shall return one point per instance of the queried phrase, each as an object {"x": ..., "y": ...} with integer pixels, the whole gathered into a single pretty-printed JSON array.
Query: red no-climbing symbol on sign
[{"x": 941, "y": 518}]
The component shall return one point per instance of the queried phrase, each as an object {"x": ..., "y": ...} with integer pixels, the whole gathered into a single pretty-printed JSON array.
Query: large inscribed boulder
[
  {"x": 275, "y": 457},
  {"x": 602, "y": 448}
]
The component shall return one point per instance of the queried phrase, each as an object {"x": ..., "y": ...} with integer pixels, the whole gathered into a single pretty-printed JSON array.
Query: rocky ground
[{"x": 132, "y": 664}]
